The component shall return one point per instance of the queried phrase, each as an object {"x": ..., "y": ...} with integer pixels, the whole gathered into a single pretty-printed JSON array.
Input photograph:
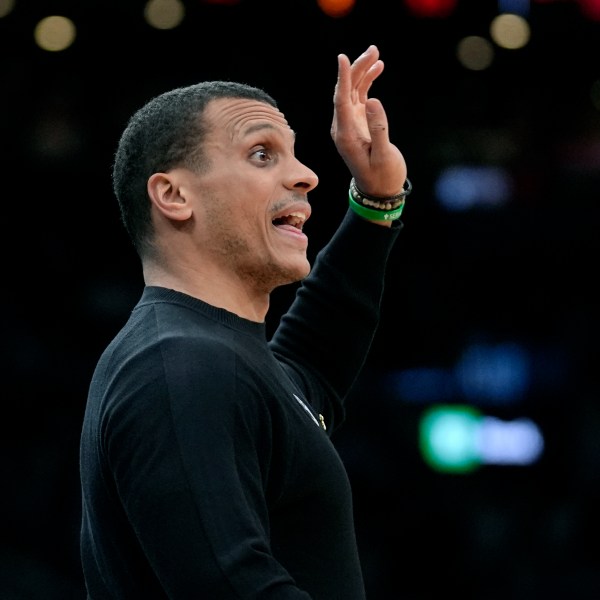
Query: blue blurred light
[
  {"x": 497, "y": 374},
  {"x": 514, "y": 7},
  {"x": 463, "y": 187}
]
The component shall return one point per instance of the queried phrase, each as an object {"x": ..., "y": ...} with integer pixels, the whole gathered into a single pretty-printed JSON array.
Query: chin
[
  {"x": 304, "y": 271},
  {"x": 298, "y": 272}
]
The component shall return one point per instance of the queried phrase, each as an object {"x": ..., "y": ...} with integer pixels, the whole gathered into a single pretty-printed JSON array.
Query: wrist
[{"x": 377, "y": 208}]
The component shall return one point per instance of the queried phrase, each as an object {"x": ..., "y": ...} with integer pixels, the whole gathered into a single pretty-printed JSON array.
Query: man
[{"x": 207, "y": 467}]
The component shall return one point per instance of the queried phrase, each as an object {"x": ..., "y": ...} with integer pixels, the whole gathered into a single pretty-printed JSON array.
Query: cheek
[
  {"x": 239, "y": 211},
  {"x": 231, "y": 227}
]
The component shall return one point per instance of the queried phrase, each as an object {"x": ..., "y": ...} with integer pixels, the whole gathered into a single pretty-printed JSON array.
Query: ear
[{"x": 166, "y": 193}]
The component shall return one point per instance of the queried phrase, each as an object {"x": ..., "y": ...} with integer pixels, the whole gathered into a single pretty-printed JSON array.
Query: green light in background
[{"x": 448, "y": 438}]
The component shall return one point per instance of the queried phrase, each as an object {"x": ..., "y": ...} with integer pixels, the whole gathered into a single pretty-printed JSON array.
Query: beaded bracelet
[
  {"x": 375, "y": 214},
  {"x": 376, "y": 208}
]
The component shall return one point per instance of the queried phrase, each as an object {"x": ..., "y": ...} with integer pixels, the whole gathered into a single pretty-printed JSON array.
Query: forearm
[{"x": 332, "y": 321}]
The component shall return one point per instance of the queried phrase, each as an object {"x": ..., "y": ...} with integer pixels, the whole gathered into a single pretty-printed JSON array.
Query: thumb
[{"x": 377, "y": 123}]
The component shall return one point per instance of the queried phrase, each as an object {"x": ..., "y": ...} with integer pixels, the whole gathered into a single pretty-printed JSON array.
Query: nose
[{"x": 302, "y": 178}]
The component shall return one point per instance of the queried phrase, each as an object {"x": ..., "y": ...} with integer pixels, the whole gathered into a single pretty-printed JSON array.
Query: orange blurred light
[
  {"x": 431, "y": 8},
  {"x": 336, "y": 8}
]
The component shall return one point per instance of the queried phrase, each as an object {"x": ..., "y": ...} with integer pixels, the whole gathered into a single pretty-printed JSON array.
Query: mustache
[{"x": 296, "y": 198}]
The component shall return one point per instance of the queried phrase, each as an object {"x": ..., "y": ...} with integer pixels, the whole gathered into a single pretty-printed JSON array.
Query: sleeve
[
  {"x": 330, "y": 326},
  {"x": 191, "y": 470}
]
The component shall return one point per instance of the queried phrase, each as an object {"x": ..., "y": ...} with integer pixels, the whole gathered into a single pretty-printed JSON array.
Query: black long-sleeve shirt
[{"x": 206, "y": 471}]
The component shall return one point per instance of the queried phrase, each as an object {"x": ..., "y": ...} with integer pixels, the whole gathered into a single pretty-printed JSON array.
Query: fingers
[
  {"x": 354, "y": 80},
  {"x": 369, "y": 77},
  {"x": 343, "y": 102},
  {"x": 364, "y": 62},
  {"x": 342, "y": 85},
  {"x": 343, "y": 70},
  {"x": 365, "y": 69}
]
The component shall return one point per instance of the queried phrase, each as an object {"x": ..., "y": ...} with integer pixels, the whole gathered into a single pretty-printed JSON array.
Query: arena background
[{"x": 472, "y": 439}]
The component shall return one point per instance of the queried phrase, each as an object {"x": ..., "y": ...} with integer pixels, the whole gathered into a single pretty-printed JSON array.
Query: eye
[{"x": 262, "y": 155}]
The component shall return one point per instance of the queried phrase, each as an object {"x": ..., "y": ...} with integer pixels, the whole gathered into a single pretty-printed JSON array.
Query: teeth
[{"x": 298, "y": 215}]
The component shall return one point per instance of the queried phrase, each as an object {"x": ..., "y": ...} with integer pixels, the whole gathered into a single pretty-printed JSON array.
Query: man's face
[{"x": 251, "y": 202}]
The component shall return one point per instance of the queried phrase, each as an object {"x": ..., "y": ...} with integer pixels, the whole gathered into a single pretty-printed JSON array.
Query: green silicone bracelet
[{"x": 373, "y": 214}]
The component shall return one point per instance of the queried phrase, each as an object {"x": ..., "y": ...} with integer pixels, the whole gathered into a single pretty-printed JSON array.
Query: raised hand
[{"x": 360, "y": 127}]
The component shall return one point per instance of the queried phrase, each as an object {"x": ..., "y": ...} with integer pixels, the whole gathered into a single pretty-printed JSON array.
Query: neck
[{"x": 216, "y": 289}]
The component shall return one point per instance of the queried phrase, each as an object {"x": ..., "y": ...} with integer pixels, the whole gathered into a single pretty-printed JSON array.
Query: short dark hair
[{"x": 168, "y": 131}]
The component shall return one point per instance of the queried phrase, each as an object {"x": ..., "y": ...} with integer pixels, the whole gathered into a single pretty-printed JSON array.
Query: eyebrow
[{"x": 261, "y": 126}]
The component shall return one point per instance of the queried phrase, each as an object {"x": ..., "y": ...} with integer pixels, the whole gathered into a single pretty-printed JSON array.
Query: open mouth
[{"x": 293, "y": 219}]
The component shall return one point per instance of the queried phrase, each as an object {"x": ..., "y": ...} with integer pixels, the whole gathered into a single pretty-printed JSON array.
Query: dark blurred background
[{"x": 473, "y": 434}]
